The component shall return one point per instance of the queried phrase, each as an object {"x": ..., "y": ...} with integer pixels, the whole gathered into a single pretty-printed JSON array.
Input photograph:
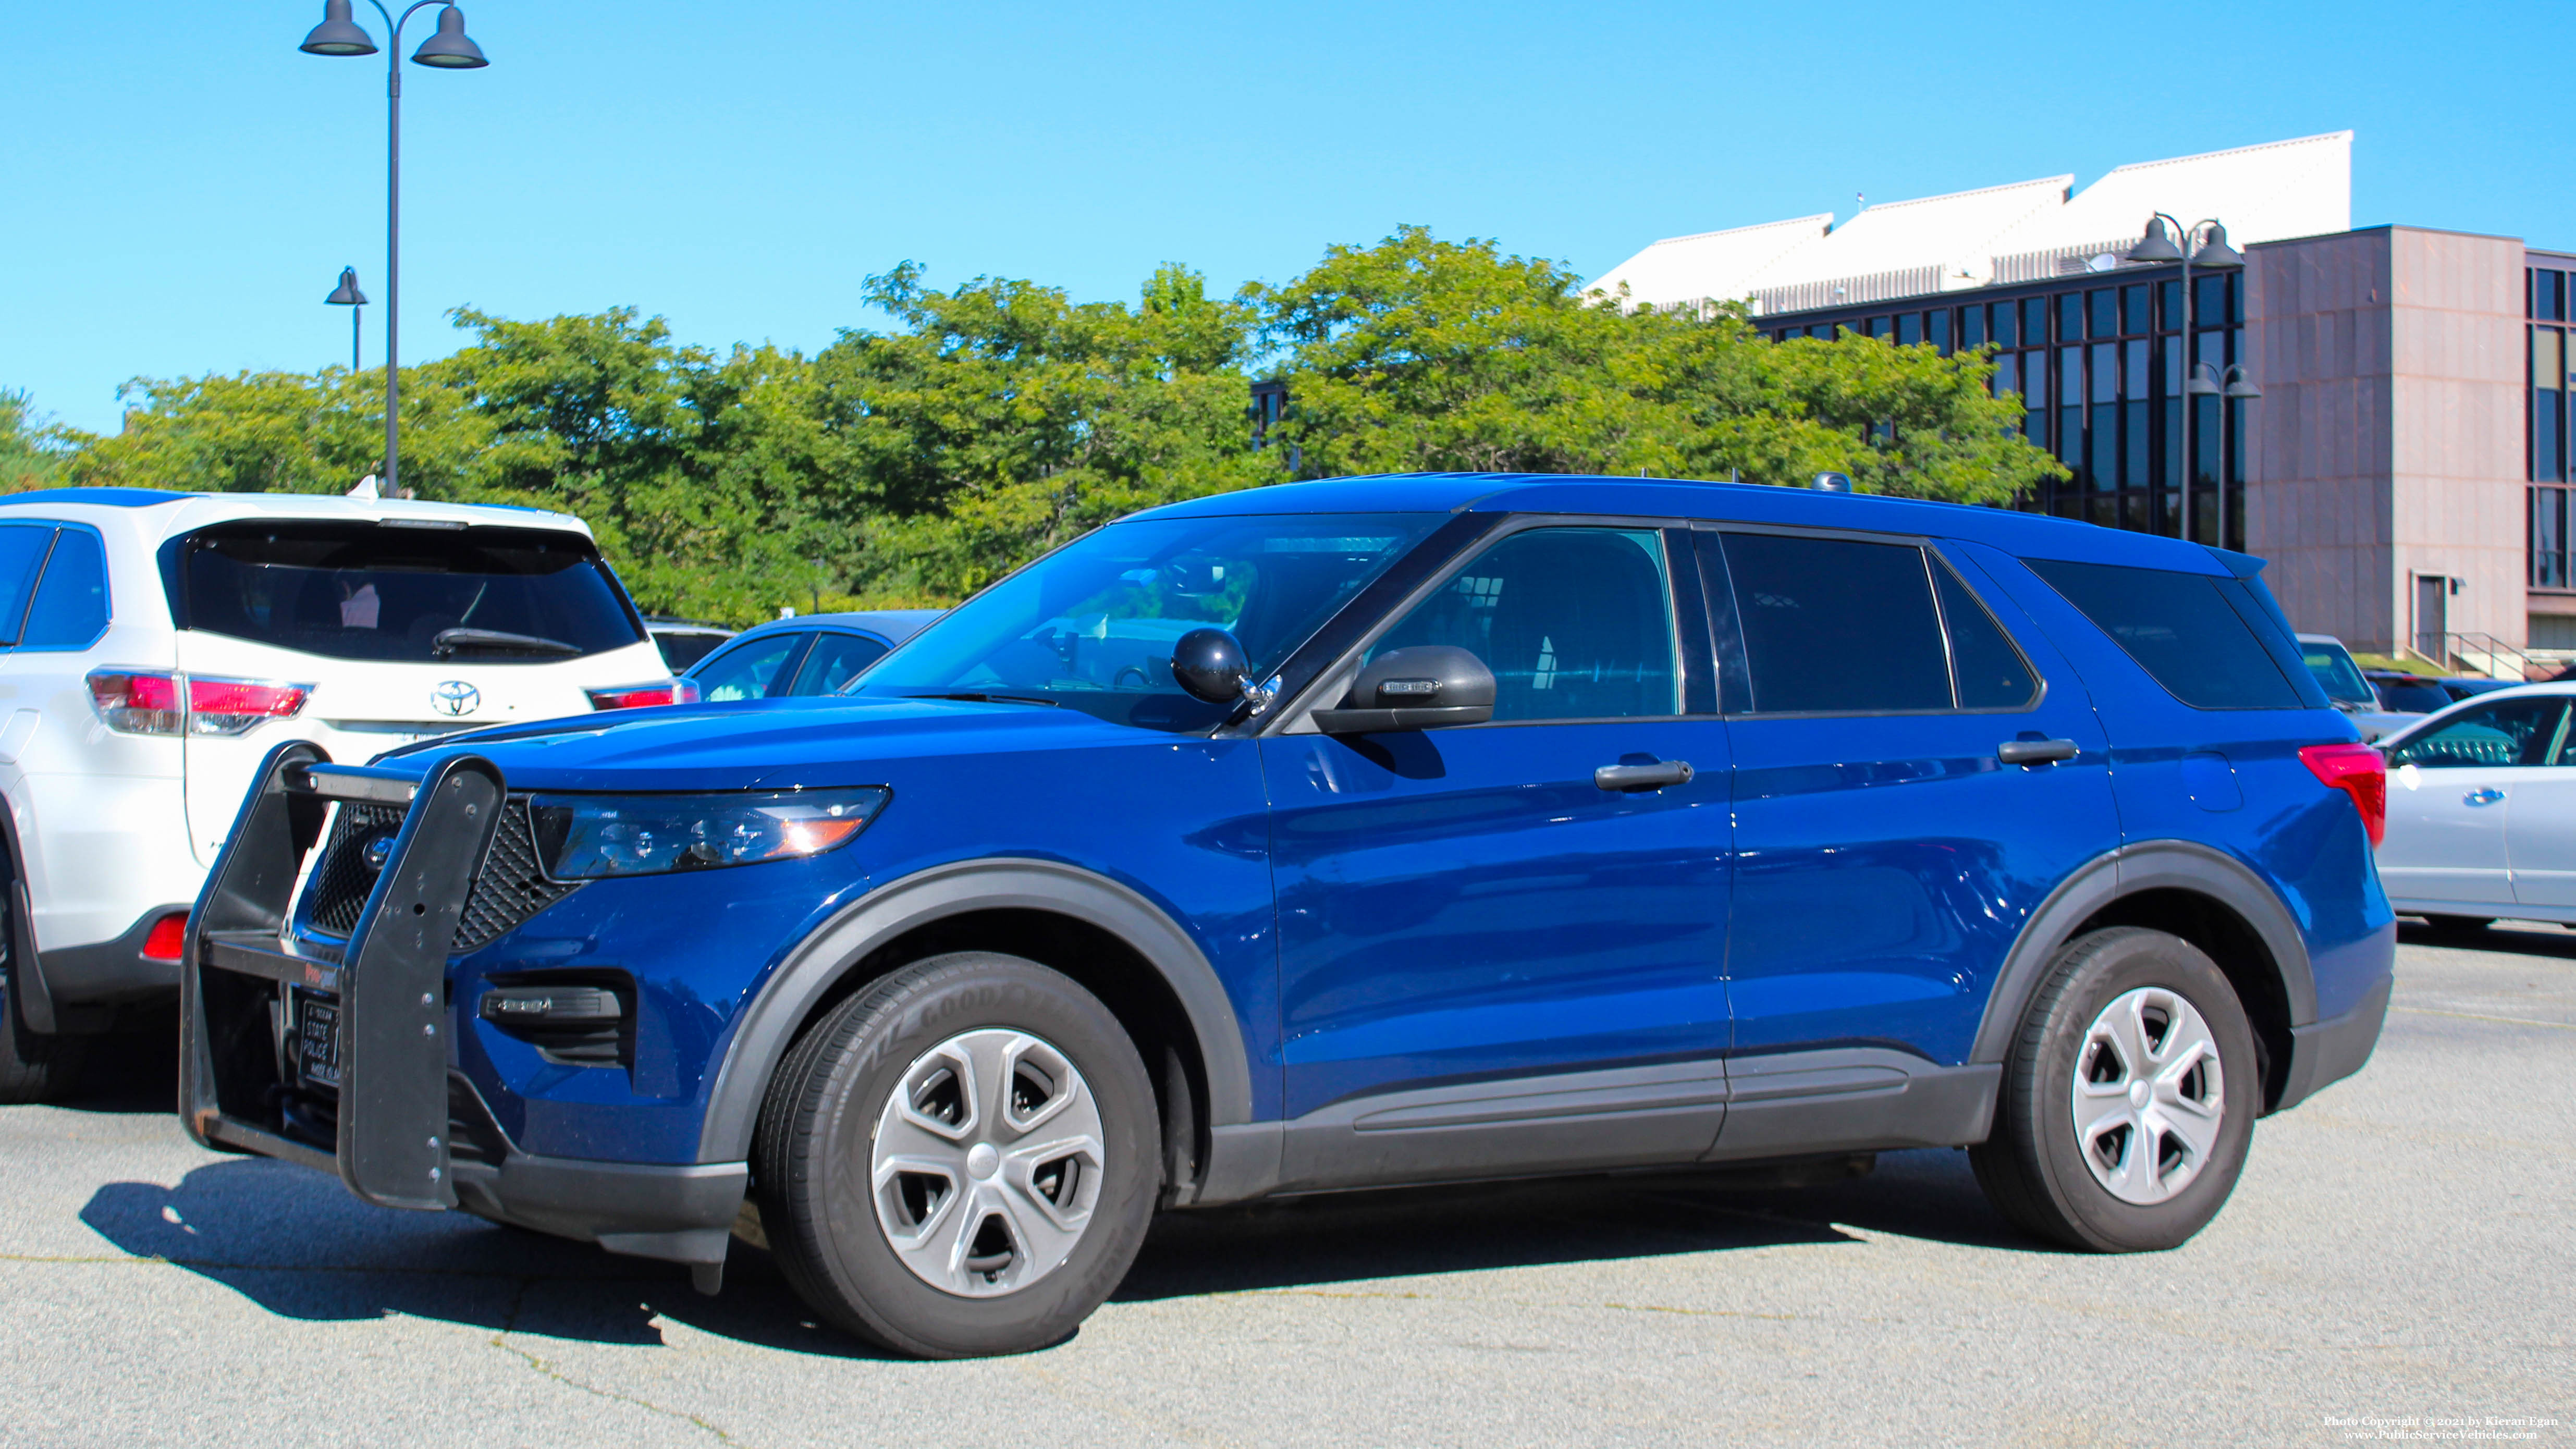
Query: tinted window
[
  {"x": 2181, "y": 628},
  {"x": 2508, "y": 732},
  {"x": 366, "y": 591},
  {"x": 2336, "y": 673},
  {"x": 70, "y": 608},
  {"x": 1990, "y": 672},
  {"x": 22, "y": 552},
  {"x": 1836, "y": 627},
  {"x": 835, "y": 660},
  {"x": 2403, "y": 697},
  {"x": 680, "y": 649},
  {"x": 2034, "y": 321},
  {"x": 1576, "y": 623},
  {"x": 749, "y": 670},
  {"x": 1972, "y": 327}
]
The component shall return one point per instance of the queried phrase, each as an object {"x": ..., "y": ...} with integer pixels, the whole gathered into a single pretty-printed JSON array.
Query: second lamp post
[
  {"x": 449, "y": 49},
  {"x": 2211, "y": 253}
]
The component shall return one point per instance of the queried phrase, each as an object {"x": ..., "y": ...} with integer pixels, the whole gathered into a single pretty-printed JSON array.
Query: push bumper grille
[{"x": 507, "y": 890}]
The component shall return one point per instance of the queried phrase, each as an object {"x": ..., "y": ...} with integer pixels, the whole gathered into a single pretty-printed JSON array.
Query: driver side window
[
  {"x": 2508, "y": 732},
  {"x": 1576, "y": 623}
]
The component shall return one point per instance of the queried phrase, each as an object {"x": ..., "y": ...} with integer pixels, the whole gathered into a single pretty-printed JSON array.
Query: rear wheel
[
  {"x": 34, "y": 1066},
  {"x": 2128, "y": 1098},
  {"x": 960, "y": 1160}
]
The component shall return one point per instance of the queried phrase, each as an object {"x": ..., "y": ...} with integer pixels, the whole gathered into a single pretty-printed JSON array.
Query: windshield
[
  {"x": 1092, "y": 625},
  {"x": 2336, "y": 672},
  {"x": 372, "y": 591}
]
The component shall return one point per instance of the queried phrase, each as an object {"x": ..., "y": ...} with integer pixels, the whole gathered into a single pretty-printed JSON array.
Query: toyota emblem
[{"x": 455, "y": 696}]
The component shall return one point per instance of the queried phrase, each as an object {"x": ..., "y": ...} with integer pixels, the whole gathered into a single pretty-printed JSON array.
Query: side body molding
[
  {"x": 761, "y": 1040},
  {"x": 2145, "y": 866}
]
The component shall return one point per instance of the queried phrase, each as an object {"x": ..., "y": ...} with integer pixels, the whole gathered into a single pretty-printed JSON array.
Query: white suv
[{"x": 154, "y": 646}]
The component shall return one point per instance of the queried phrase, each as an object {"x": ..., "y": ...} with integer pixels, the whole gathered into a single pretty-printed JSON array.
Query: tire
[
  {"x": 995, "y": 1203},
  {"x": 2095, "y": 1189},
  {"x": 2459, "y": 925}
]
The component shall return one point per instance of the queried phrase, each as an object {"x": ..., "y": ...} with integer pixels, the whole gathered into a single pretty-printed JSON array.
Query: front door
[
  {"x": 1462, "y": 907},
  {"x": 2452, "y": 793},
  {"x": 1915, "y": 771}
]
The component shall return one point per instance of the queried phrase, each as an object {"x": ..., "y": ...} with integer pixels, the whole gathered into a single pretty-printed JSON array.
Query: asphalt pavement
[{"x": 2400, "y": 1256}]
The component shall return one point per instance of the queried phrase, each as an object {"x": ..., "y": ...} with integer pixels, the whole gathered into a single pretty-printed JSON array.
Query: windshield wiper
[
  {"x": 451, "y": 640},
  {"x": 977, "y": 697}
]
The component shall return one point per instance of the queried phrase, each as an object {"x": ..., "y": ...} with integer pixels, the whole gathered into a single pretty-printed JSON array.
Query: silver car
[{"x": 2482, "y": 810}]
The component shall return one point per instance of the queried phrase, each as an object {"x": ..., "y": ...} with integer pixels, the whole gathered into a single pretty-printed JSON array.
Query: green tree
[
  {"x": 33, "y": 453},
  {"x": 282, "y": 432}
]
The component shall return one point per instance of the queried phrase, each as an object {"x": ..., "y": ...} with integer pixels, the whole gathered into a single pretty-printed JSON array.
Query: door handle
[
  {"x": 2482, "y": 797},
  {"x": 1643, "y": 777},
  {"x": 2036, "y": 752}
]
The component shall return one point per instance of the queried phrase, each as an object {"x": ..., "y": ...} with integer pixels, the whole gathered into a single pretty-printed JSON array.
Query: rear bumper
[{"x": 2328, "y": 1051}]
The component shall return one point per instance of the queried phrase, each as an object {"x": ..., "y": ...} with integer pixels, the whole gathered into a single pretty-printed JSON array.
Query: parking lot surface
[{"x": 2401, "y": 1248}]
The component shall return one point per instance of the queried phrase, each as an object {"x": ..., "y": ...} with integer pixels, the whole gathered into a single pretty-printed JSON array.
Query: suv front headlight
[{"x": 588, "y": 837}]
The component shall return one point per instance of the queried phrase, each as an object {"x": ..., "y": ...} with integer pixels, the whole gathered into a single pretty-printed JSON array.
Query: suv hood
[{"x": 776, "y": 743}]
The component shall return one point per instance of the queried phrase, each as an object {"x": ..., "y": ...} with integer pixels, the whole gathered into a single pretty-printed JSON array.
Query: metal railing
[{"x": 2467, "y": 651}]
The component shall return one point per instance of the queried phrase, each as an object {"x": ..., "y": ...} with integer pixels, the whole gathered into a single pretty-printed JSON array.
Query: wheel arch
[
  {"x": 1118, "y": 944},
  {"x": 2204, "y": 896}
]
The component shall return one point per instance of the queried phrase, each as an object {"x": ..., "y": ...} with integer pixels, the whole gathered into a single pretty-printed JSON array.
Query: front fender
[{"x": 768, "y": 1026}]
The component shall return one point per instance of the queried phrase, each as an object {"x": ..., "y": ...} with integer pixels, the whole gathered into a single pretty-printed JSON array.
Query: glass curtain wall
[
  {"x": 2546, "y": 305},
  {"x": 2099, "y": 362}
]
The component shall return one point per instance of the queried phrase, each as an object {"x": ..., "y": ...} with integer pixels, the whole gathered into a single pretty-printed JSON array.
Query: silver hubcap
[
  {"x": 2149, "y": 1098},
  {"x": 987, "y": 1162}
]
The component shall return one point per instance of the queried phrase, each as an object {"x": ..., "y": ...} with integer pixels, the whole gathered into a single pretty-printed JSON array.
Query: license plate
[{"x": 317, "y": 1037}]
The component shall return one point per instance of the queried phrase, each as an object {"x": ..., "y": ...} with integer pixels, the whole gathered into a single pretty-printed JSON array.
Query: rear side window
[
  {"x": 2183, "y": 629},
  {"x": 70, "y": 607},
  {"x": 369, "y": 591},
  {"x": 836, "y": 660},
  {"x": 22, "y": 553},
  {"x": 1836, "y": 626}
]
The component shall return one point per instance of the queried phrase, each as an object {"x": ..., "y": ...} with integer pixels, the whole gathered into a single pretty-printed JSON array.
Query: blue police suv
[{"x": 1334, "y": 835}]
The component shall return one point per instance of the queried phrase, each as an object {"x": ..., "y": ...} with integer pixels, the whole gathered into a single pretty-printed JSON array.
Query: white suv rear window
[{"x": 372, "y": 591}]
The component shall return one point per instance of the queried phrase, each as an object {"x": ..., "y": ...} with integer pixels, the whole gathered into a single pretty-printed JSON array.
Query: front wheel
[
  {"x": 2128, "y": 1097},
  {"x": 960, "y": 1159}
]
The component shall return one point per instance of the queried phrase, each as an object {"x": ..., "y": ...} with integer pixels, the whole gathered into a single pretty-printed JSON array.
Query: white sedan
[{"x": 2482, "y": 810}]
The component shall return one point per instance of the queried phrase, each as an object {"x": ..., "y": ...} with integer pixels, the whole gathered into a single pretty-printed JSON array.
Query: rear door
[
  {"x": 2452, "y": 794},
  {"x": 2540, "y": 825},
  {"x": 1886, "y": 853}
]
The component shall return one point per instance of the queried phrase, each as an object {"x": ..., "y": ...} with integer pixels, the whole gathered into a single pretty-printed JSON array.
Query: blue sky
[{"x": 181, "y": 186}]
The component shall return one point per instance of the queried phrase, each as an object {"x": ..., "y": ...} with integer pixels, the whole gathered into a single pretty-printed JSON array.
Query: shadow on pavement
[
  {"x": 293, "y": 1241},
  {"x": 2517, "y": 938}
]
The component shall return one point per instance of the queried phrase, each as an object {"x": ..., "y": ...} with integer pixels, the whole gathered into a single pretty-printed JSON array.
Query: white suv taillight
[
  {"x": 152, "y": 702},
  {"x": 638, "y": 696}
]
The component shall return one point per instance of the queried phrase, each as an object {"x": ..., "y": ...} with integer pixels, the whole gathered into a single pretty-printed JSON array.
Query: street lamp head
[
  {"x": 2158, "y": 245},
  {"x": 2241, "y": 387},
  {"x": 2203, "y": 381},
  {"x": 2215, "y": 252},
  {"x": 449, "y": 49},
  {"x": 347, "y": 293},
  {"x": 337, "y": 34}
]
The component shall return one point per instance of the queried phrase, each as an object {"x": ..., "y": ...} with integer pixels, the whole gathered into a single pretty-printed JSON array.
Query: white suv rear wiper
[{"x": 451, "y": 640}]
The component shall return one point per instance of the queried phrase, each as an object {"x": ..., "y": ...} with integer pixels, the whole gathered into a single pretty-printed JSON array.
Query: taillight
[
  {"x": 169, "y": 936},
  {"x": 2358, "y": 771},
  {"x": 232, "y": 706},
  {"x": 137, "y": 703},
  {"x": 637, "y": 696},
  {"x": 150, "y": 702}
]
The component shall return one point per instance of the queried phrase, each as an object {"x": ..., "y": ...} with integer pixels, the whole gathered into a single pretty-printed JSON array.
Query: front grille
[
  {"x": 509, "y": 888},
  {"x": 344, "y": 881}
]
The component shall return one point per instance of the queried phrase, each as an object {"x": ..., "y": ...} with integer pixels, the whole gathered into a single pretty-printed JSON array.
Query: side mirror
[
  {"x": 1210, "y": 665},
  {"x": 1424, "y": 687}
]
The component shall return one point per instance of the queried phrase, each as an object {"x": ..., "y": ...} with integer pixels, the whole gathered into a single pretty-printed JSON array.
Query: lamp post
[
  {"x": 449, "y": 49},
  {"x": 2232, "y": 386},
  {"x": 2212, "y": 253},
  {"x": 347, "y": 295}
]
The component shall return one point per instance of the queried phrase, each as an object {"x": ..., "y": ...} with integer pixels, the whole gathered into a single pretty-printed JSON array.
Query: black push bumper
[{"x": 340, "y": 1060}]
